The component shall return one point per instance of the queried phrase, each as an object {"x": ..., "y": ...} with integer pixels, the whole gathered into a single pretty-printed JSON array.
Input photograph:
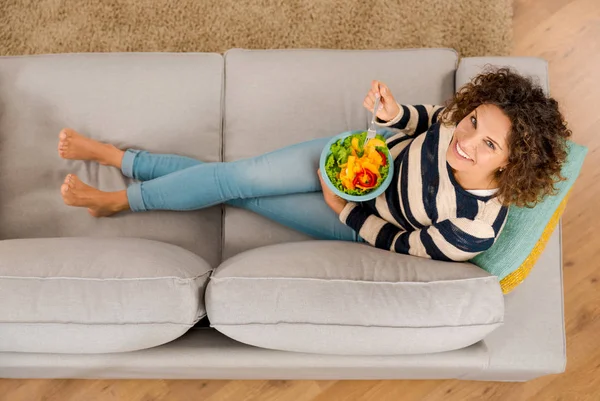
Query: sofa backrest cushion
[
  {"x": 166, "y": 103},
  {"x": 275, "y": 98}
]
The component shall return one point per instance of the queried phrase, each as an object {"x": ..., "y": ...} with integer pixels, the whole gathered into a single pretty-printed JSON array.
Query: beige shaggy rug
[{"x": 472, "y": 27}]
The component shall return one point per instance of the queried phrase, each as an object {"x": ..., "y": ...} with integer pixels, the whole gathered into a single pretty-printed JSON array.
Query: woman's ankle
[
  {"x": 117, "y": 201},
  {"x": 112, "y": 156}
]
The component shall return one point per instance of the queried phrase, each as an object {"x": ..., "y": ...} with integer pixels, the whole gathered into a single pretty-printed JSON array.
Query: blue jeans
[{"x": 282, "y": 185}]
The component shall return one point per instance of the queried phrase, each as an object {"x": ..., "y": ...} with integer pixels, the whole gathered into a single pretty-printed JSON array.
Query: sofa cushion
[
  {"x": 167, "y": 103},
  {"x": 276, "y": 98},
  {"x": 84, "y": 295},
  {"x": 334, "y": 297},
  {"x": 527, "y": 230}
]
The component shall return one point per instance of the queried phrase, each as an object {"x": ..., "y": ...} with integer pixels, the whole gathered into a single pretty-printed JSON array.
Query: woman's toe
[
  {"x": 63, "y": 142},
  {"x": 64, "y": 134}
]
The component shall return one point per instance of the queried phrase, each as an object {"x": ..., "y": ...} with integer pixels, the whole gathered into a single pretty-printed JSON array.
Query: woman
[{"x": 499, "y": 141}]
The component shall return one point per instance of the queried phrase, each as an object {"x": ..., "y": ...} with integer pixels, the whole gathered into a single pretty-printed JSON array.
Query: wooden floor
[{"x": 567, "y": 34}]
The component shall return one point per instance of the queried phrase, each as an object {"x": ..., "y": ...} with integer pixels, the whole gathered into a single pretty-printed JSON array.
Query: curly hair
[{"x": 537, "y": 141}]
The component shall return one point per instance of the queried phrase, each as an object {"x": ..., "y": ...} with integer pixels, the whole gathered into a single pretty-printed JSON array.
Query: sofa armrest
[{"x": 532, "y": 341}]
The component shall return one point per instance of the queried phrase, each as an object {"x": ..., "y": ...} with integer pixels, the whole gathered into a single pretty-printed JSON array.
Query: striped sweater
[{"x": 425, "y": 212}]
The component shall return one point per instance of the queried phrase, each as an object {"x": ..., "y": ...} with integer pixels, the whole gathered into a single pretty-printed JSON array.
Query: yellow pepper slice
[
  {"x": 376, "y": 143},
  {"x": 371, "y": 167}
]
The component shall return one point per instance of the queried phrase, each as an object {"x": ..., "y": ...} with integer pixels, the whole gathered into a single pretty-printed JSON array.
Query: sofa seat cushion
[
  {"x": 332, "y": 297},
  {"x": 84, "y": 295}
]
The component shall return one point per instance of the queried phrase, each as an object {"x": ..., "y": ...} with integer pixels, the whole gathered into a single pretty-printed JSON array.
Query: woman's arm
[
  {"x": 412, "y": 120},
  {"x": 458, "y": 239}
]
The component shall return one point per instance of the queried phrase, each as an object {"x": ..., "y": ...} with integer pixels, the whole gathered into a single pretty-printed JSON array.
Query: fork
[{"x": 371, "y": 131}]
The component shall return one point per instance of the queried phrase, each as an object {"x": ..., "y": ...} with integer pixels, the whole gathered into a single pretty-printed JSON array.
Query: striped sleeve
[
  {"x": 375, "y": 230},
  {"x": 414, "y": 120},
  {"x": 458, "y": 239}
]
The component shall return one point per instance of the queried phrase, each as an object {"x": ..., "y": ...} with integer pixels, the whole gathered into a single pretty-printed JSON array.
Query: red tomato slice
[
  {"x": 383, "y": 156},
  {"x": 365, "y": 179}
]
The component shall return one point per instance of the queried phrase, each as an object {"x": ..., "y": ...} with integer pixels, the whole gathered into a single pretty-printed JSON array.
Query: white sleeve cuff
[{"x": 393, "y": 120}]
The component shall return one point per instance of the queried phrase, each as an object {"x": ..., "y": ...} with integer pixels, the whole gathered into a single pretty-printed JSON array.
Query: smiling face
[{"x": 479, "y": 147}]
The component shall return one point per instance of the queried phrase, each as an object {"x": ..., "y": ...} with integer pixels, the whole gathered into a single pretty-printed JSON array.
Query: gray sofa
[{"x": 54, "y": 258}]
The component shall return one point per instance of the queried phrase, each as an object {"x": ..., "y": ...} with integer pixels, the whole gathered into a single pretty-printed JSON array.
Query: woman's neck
[{"x": 470, "y": 182}]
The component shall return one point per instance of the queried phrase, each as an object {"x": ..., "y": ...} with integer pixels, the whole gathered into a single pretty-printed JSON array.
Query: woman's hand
[
  {"x": 388, "y": 108},
  {"x": 336, "y": 203}
]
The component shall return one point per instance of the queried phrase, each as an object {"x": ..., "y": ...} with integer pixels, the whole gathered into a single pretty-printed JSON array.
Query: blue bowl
[{"x": 353, "y": 198}]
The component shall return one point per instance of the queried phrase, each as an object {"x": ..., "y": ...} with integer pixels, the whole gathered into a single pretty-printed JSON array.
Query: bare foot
[
  {"x": 99, "y": 203},
  {"x": 74, "y": 146}
]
